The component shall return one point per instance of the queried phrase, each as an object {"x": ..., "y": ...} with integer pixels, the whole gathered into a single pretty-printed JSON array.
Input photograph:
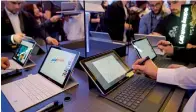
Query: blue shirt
[{"x": 148, "y": 23}]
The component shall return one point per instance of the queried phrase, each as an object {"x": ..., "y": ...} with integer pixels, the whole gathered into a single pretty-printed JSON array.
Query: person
[
  {"x": 178, "y": 53},
  {"x": 141, "y": 7},
  {"x": 17, "y": 23},
  {"x": 49, "y": 9},
  {"x": 94, "y": 22},
  {"x": 5, "y": 63},
  {"x": 44, "y": 23},
  {"x": 149, "y": 21},
  {"x": 104, "y": 4},
  {"x": 97, "y": 19},
  {"x": 169, "y": 25},
  {"x": 74, "y": 26},
  {"x": 173, "y": 75},
  {"x": 115, "y": 20}
]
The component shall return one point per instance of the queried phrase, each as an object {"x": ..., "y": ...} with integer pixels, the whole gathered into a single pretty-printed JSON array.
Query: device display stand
[
  {"x": 71, "y": 83},
  {"x": 38, "y": 50},
  {"x": 29, "y": 64},
  {"x": 91, "y": 84}
]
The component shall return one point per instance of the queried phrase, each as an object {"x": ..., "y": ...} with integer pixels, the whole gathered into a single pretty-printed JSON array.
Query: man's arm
[
  {"x": 185, "y": 54},
  {"x": 6, "y": 43},
  {"x": 37, "y": 30},
  {"x": 47, "y": 9},
  {"x": 183, "y": 77},
  {"x": 142, "y": 26}
]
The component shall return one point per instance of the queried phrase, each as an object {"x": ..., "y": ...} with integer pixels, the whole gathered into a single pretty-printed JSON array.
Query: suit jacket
[
  {"x": 114, "y": 20},
  {"x": 184, "y": 54},
  {"x": 146, "y": 25},
  {"x": 28, "y": 25}
]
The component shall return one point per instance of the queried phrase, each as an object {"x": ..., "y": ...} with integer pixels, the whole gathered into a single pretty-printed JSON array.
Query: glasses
[{"x": 157, "y": 5}]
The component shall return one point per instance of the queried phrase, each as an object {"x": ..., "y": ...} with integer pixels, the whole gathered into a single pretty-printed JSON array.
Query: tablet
[
  {"x": 144, "y": 48},
  {"x": 59, "y": 64},
  {"x": 106, "y": 70},
  {"x": 21, "y": 55}
]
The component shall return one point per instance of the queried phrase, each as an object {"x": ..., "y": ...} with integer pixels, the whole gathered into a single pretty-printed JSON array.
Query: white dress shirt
[
  {"x": 183, "y": 77},
  {"x": 15, "y": 21},
  {"x": 74, "y": 28}
]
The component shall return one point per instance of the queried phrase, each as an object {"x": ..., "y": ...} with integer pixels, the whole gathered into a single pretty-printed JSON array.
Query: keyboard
[
  {"x": 34, "y": 89},
  {"x": 134, "y": 93},
  {"x": 160, "y": 62}
]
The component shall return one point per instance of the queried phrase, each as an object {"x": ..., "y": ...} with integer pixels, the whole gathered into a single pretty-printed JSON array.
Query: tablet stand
[
  {"x": 38, "y": 50},
  {"x": 29, "y": 64},
  {"x": 71, "y": 83},
  {"x": 91, "y": 84}
]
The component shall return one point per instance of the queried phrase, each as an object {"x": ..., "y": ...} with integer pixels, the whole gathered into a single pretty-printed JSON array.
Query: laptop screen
[
  {"x": 107, "y": 70},
  {"x": 58, "y": 64},
  {"x": 144, "y": 48},
  {"x": 68, "y": 6},
  {"x": 22, "y": 53}
]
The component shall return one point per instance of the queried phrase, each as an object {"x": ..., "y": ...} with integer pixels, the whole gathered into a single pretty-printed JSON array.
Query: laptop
[
  {"x": 144, "y": 49},
  {"x": 50, "y": 80},
  {"x": 100, "y": 35},
  {"x": 105, "y": 37},
  {"x": 69, "y": 8},
  {"x": 93, "y": 7},
  {"x": 20, "y": 59},
  {"x": 134, "y": 92}
]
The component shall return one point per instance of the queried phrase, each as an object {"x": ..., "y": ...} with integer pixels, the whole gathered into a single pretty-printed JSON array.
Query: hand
[
  {"x": 149, "y": 68},
  {"x": 165, "y": 47},
  {"x": 5, "y": 63},
  {"x": 135, "y": 9},
  {"x": 55, "y": 18},
  {"x": 128, "y": 26},
  {"x": 52, "y": 41},
  {"x": 18, "y": 37},
  {"x": 174, "y": 66},
  {"x": 189, "y": 46}
]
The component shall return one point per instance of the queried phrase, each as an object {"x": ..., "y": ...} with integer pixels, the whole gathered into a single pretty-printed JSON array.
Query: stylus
[{"x": 140, "y": 63}]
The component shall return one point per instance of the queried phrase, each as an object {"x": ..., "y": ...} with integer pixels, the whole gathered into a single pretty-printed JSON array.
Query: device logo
[
  {"x": 183, "y": 26},
  {"x": 53, "y": 60}
]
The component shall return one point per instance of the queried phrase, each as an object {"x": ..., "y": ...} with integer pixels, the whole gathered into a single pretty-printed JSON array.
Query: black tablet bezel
[
  {"x": 70, "y": 71},
  {"x": 91, "y": 75}
]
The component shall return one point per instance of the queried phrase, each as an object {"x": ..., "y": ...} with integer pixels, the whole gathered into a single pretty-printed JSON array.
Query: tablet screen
[
  {"x": 144, "y": 48},
  {"x": 58, "y": 64},
  {"x": 22, "y": 53}
]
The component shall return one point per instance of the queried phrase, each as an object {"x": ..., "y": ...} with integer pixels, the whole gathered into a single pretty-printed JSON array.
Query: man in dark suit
[
  {"x": 17, "y": 23},
  {"x": 115, "y": 20}
]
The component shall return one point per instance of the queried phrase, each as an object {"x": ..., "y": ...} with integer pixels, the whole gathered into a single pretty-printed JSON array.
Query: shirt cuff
[
  {"x": 12, "y": 39},
  {"x": 166, "y": 76}
]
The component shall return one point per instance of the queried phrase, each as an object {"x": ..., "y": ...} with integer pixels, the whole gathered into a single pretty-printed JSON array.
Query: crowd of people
[{"x": 121, "y": 19}]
